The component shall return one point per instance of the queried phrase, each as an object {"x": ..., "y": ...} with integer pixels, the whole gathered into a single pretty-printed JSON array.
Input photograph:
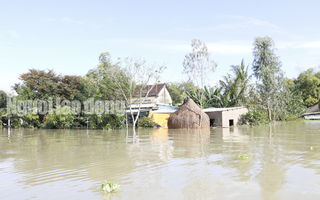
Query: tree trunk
[
  {"x": 127, "y": 121},
  {"x": 269, "y": 111}
]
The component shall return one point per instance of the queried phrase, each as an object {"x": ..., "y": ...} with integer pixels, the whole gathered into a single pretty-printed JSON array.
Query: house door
[
  {"x": 212, "y": 122},
  {"x": 231, "y": 122}
]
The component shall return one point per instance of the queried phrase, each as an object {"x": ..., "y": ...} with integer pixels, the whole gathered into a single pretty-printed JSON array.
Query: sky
[{"x": 68, "y": 36}]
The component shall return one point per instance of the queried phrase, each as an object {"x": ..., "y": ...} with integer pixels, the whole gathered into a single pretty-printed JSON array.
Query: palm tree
[{"x": 238, "y": 83}]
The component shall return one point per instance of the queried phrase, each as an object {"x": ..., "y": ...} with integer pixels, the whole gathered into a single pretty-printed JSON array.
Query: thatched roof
[{"x": 188, "y": 116}]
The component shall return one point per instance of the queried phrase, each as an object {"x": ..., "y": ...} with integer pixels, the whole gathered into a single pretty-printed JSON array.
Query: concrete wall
[
  {"x": 234, "y": 115},
  {"x": 217, "y": 116},
  {"x": 314, "y": 108},
  {"x": 221, "y": 118},
  {"x": 164, "y": 97},
  {"x": 160, "y": 118}
]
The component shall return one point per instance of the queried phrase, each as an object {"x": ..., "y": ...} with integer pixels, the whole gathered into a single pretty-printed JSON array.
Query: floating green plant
[
  {"x": 108, "y": 187},
  {"x": 244, "y": 157}
]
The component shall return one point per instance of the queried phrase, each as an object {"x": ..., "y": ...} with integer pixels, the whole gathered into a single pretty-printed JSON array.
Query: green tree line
[{"x": 269, "y": 97}]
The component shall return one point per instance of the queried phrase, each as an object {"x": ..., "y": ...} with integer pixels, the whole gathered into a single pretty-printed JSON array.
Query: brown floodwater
[{"x": 162, "y": 163}]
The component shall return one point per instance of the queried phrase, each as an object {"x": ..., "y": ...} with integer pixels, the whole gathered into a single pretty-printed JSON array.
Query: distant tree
[
  {"x": 42, "y": 84},
  {"x": 179, "y": 91},
  {"x": 198, "y": 65},
  {"x": 308, "y": 83},
  {"x": 176, "y": 93},
  {"x": 126, "y": 75},
  {"x": 274, "y": 90},
  {"x": 101, "y": 85},
  {"x": 237, "y": 84},
  {"x": 3, "y": 99},
  {"x": 266, "y": 67}
]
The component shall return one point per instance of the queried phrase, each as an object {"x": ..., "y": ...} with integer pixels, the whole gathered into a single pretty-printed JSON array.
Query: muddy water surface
[{"x": 162, "y": 163}]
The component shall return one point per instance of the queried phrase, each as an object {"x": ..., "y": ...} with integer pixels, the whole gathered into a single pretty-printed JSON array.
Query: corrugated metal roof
[
  {"x": 221, "y": 109},
  {"x": 165, "y": 111}
]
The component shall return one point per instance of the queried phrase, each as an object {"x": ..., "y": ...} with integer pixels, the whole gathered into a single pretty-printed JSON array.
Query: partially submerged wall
[
  {"x": 217, "y": 117},
  {"x": 226, "y": 118},
  {"x": 234, "y": 115}
]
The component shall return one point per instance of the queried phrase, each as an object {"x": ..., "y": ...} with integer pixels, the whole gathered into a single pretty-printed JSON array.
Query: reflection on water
[{"x": 162, "y": 163}]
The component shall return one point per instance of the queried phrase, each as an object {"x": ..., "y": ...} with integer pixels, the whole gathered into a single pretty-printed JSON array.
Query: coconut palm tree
[{"x": 237, "y": 84}]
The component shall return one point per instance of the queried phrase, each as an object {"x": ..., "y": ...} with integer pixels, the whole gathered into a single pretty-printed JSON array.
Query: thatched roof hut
[{"x": 188, "y": 116}]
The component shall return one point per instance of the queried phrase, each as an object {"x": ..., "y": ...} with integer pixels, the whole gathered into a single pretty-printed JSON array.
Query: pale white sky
[{"x": 68, "y": 36}]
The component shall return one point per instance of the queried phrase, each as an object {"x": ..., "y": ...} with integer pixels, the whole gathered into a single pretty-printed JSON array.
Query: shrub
[
  {"x": 256, "y": 117},
  {"x": 60, "y": 121},
  {"x": 146, "y": 122}
]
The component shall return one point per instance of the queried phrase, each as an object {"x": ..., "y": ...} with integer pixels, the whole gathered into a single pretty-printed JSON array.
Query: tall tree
[
  {"x": 126, "y": 75},
  {"x": 42, "y": 84},
  {"x": 238, "y": 83},
  {"x": 266, "y": 66},
  {"x": 308, "y": 84},
  {"x": 3, "y": 99},
  {"x": 197, "y": 65},
  {"x": 179, "y": 91}
]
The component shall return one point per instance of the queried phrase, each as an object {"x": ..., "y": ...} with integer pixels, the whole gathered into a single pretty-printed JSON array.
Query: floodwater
[{"x": 162, "y": 163}]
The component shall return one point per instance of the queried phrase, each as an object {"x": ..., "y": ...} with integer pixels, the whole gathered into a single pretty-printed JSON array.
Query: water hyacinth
[
  {"x": 108, "y": 187},
  {"x": 244, "y": 157}
]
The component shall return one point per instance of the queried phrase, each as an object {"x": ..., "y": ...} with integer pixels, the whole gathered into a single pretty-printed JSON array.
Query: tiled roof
[{"x": 154, "y": 91}]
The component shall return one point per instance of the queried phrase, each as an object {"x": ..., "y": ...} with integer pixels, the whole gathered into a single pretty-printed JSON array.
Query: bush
[
  {"x": 15, "y": 121},
  {"x": 146, "y": 122},
  {"x": 106, "y": 121},
  {"x": 59, "y": 120},
  {"x": 107, "y": 127},
  {"x": 31, "y": 121},
  {"x": 256, "y": 117}
]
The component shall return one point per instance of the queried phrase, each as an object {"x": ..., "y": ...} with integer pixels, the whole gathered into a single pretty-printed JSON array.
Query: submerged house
[
  {"x": 157, "y": 105},
  {"x": 313, "y": 112},
  {"x": 225, "y": 117}
]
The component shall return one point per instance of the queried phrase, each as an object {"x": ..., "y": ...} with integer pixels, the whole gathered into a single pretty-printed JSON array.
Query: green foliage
[
  {"x": 265, "y": 62},
  {"x": 107, "y": 127},
  {"x": 15, "y": 121},
  {"x": 42, "y": 84},
  {"x": 112, "y": 81},
  {"x": 212, "y": 97},
  {"x": 244, "y": 157},
  {"x": 3, "y": 99},
  {"x": 274, "y": 92},
  {"x": 196, "y": 97},
  {"x": 108, "y": 187},
  {"x": 146, "y": 122},
  {"x": 176, "y": 94},
  {"x": 31, "y": 121},
  {"x": 255, "y": 117},
  {"x": 308, "y": 83},
  {"x": 236, "y": 85},
  {"x": 178, "y": 91},
  {"x": 106, "y": 121},
  {"x": 61, "y": 120}
]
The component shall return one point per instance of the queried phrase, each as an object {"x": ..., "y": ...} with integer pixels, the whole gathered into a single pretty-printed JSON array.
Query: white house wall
[
  {"x": 221, "y": 118},
  {"x": 314, "y": 108},
  {"x": 217, "y": 116},
  {"x": 234, "y": 115},
  {"x": 164, "y": 97}
]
